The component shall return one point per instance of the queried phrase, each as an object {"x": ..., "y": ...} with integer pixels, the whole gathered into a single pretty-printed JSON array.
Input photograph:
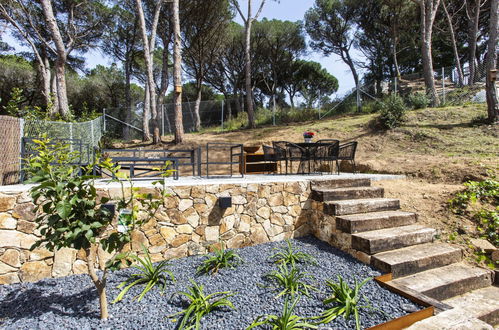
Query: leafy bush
[
  {"x": 148, "y": 274},
  {"x": 488, "y": 225},
  {"x": 222, "y": 259},
  {"x": 418, "y": 100},
  {"x": 346, "y": 301},
  {"x": 291, "y": 281},
  {"x": 200, "y": 305},
  {"x": 392, "y": 112},
  {"x": 289, "y": 256},
  {"x": 486, "y": 191},
  {"x": 286, "y": 321}
]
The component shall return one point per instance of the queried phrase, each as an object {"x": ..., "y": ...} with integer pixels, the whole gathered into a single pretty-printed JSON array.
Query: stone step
[
  {"x": 335, "y": 194},
  {"x": 374, "y": 220},
  {"x": 340, "y": 183},
  {"x": 375, "y": 241},
  {"x": 417, "y": 258},
  {"x": 446, "y": 282},
  {"x": 482, "y": 304},
  {"x": 353, "y": 206}
]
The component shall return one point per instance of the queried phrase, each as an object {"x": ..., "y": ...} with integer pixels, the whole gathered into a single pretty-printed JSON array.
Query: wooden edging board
[{"x": 406, "y": 320}]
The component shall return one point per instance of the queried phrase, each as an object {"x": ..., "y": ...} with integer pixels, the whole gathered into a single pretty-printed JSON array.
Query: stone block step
[
  {"x": 446, "y": 282},
  {"x": 341, "y": 183},
  {"x": 374, "y": 220},
  {"x": 335, "y": 194},
  {"x": 417, "y": 258},
  {"x": 375, "y": 241},
  {"x": 353, "y": 206},
  {"x": 482, "y": 304}
]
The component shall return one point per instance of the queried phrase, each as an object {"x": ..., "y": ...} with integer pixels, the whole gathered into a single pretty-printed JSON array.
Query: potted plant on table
[{"x": 308, "y": 136}]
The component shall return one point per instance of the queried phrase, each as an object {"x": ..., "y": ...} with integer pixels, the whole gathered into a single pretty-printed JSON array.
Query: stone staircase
[{"x": 391, "y": 240}]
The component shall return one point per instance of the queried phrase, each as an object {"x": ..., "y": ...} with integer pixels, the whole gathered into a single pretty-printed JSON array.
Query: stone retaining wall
[{"x": 189, "y": 225}]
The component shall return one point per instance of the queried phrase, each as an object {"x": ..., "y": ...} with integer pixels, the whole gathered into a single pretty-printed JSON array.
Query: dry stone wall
[{"x": 191, "y": 223}]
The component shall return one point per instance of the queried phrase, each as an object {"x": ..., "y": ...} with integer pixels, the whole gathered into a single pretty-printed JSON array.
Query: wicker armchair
[{"x": 347, "y": 152}]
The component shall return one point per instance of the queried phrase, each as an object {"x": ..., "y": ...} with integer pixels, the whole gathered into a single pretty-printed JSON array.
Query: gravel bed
[{"x": 71, "y": 302}]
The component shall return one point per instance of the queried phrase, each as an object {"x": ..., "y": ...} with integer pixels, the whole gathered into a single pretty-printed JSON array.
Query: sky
[{"x": 291, "y": 10}]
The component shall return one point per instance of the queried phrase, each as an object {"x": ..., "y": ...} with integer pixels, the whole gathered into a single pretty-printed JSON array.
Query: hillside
[{"x": 446, "y": 145}]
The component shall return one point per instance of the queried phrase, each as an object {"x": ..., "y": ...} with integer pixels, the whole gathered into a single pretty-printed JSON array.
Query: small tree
[{"x": 70, "y": 212}]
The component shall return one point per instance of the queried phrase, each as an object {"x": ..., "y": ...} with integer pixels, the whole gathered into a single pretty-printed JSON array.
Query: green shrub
[
  {"x": 200, "y": 305},
  {"x": 286, "y": 321},
  {"x": 148, "y": 274},
  {"x": 290, "y": 281},
  {"x": 346, "y": 301},
  {"x": 392, "y": 112},
  {"x": 289, "y": 256},
  {"x": 418, "y": 100},
  {"x": 488, "y": 225},
  {"x": 222, "y": 259}
]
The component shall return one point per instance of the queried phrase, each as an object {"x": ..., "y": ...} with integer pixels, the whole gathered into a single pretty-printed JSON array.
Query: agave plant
[
  {"x": 149, "y": 274},
  {"x": 286, "y": 321},
  {"x": 200, "y": 305},
  {"x": 290, "y": 280},
  {"x": 222, "y": 259},
  {"x": 288, "y": 255},
  {"x": 346, "y": 300}
]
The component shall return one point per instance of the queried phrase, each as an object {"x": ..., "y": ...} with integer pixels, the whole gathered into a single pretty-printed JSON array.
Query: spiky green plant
[
  {"x": 286, "y": 321},
  {"x": 221, "y": 259},
  {"x": 346, "y": 300},
  {"x": 149, "y": 274},
  {"x": 200, "y": 305},
  {"x": 290, "y": 280},
  {"x": 289, "y": 255}
]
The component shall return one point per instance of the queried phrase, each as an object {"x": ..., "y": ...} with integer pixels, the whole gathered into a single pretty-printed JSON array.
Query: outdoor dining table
[{"x": 308, "y": 148}]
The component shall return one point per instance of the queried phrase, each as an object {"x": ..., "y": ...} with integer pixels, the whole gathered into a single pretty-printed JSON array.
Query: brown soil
[{"x": 438, "y": 150}]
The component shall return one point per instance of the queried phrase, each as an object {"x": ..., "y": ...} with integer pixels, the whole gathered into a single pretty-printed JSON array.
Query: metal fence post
[
  {"x": 104, "y": 118},
  {"x": 443, "y": 85},
  {"x": 222, "y": 119}
]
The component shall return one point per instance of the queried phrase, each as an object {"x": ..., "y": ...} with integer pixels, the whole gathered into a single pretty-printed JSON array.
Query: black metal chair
[
  {"x": 327, "y": 153},
  {"x": 297, "y": 153},
  {"x": 281, "y": 153},
  {"x": 269, "y": 156},
  {"x": 346, "y": 152},
  {"x": 234, "y": 156}
]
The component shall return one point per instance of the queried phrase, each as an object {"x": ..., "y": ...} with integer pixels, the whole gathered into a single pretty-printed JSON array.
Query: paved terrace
[{"x": 252, "y": 178}]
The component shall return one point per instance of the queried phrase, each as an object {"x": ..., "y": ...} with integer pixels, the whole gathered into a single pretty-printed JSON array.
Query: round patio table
[{"x": 310, "y": 152}]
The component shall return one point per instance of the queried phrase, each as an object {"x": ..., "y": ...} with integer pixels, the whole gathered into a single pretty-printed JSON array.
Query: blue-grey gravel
[{"x": 71, "y": 302}]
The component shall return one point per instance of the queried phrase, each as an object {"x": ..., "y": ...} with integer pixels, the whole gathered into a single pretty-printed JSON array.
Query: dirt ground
[{"x": 437, "y": 149}]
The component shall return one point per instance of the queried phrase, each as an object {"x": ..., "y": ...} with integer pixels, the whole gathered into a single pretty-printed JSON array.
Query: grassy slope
[
  {"x": 437, "y": 148},
  {"x": 446, "y": 145}
]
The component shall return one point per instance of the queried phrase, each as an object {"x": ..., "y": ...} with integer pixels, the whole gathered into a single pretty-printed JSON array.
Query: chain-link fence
[
  {"x": 453, "y": 87},
  {"x": 14, "y": 129},
  {"x": 121, "y": 123}
]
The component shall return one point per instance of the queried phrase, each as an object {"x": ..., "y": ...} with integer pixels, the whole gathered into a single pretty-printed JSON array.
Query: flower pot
[{"x": 308, "y": 140}]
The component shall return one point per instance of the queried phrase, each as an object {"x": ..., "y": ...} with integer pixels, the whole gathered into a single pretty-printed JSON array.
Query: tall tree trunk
[
  {"x": 459, "y": 68},
  {"x": 54, "y": 110},
  {"x": 163, "y": 88},
  {"x": 491, "y": 62},
  {"x": 428, "y": 13},
  {"x": 473, "y": 23},
  {"x": 395, "y": 58},
  {"x": 247, "y": 81},
  {"x": 197, "y": 105},
  {"x": 146, "y": 114},
  {"x": 228, "y": 104},
  {"x": 60, "y": 63},
  {"x": 45, "y": 73},
  {"x": 128, "y": 97},
  {"x": 177, "y": 74},
  {"x": 148, "y": 54}
]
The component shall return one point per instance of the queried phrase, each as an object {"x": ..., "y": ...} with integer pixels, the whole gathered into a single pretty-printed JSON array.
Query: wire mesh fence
[
  {"x": 127, "y": 124},
  {"x": 14, "y": 129}
]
